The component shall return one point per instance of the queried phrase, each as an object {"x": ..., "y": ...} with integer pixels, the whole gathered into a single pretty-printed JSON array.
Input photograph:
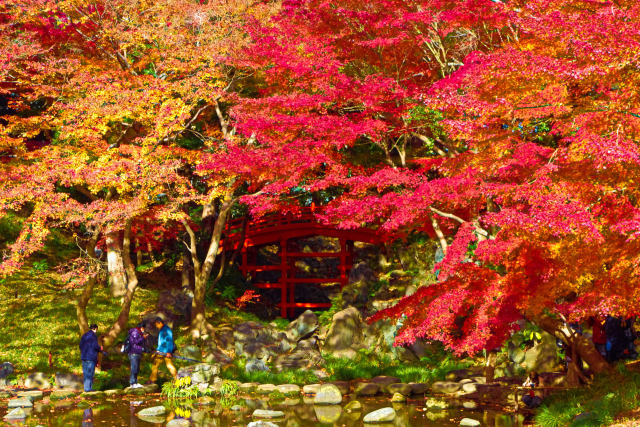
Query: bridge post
[
  {"x": 343, "y": 263},
  {"x": 283, "y": 278}
]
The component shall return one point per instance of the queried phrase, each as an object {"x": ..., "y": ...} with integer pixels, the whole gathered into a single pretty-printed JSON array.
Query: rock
[
  {"x": 469, "y": 404},
  {"x": 398, "y": 398},
  {"x": 32, "y": 395},
  {"x": 248, "y": 388},
  {"x": 113, "y": 393},
  {"x": 214, "y": 355},
  {"x": 262, "y": 424},
  {"x": 310, "y": 389},
  {"x": 516, "y": 355},
  {"x": 236, "y": 408},
  {"x": 404, "y": 389},
  {"x": 345, "y": 335},
  {"x": 327, "y": 414},
  {"x": 328, "y": 394},
  {"x": 306, "y": 355},
  {"x": 343, "y": 386},
  {"x": 366, "y": 389},
  {"x": 458, "y": 374},
  {"x": 16, "y": 414},
  {"x": 22, "y": 402},
  {"x": 353, "y": 406},
  {"x": 83, "y": 404},
  {"x": 154, "y": 411},
  {"x": 201, "y": 373},
  {"x": 92, "y": 394},
  {"x": 542, "y": 357},
  {"x": 37, "y": 380},
  {"x": 5, "y": 394},
  {"x": 470, "y": 387},
  {"x": 206, "y": 401},
  {"x": 191, "y": 352},
  {"x": 6, "y": 369},
  {"x": 301, "y": 328},
  {"x": 289, "y": 390},
  {"x": 447, "y": 387},
  {"x": 432, "y": 403},
  {"x": 384, "y": 381},
  {"x": 68, "y": 381},
  {"x": 180, "y": 422},
  {"x": 256, "y": 365},
  {"x": 139, "y": 391},
  {"x": 419, "y": 388},
  {"x": 266, "y": 388},
  {"x": 383, "y": 415},
  {"x": 469, "y": 422},
  {"x": 151, "y": 388},
  {"x": 267, "y": 414}
]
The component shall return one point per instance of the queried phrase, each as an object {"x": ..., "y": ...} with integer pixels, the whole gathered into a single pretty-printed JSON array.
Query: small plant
[
  {"x": 180, "y": 388},
  {"x": 39, "y": 267}
]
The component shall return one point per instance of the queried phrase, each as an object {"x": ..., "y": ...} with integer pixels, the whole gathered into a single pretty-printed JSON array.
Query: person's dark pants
[
  {"x": 532, "y": 401},
  {"x": 135, "y": 367},
  {"x": 88, "y": 371},
  {"x": 602, "y": 349}
]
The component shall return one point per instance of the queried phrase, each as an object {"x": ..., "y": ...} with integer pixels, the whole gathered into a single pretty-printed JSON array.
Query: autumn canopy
[{"x": 506, "y": 131}]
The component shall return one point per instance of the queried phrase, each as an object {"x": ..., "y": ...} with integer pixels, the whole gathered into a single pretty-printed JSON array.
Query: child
[{"x": 530, "y": 399}]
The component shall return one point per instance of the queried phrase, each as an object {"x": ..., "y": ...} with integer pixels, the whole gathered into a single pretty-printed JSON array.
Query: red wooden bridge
[{"x": 279, "y": 229}]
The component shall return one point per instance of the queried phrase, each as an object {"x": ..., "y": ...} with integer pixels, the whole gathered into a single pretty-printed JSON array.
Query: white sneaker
[{"x": 136, "y": 385}]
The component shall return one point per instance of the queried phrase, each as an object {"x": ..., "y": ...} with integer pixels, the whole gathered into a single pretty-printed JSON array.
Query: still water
[{"x": 122, "y": 412}]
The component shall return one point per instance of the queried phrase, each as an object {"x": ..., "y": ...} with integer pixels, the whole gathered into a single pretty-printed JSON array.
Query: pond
[{"x": 122, "y": 412}]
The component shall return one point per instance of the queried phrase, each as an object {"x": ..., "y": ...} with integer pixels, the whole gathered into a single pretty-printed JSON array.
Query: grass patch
[
  {"x": 366, "y": 365},
  {"x": 595, "y": 405},
  {"x": 38, "y": 317},
  {"x": 236, "y": 371}
]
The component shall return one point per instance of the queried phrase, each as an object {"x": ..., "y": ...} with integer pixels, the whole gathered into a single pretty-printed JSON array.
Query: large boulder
[
  {"x": 68, "y": 381},
  {"x": 345, "y": 335},
  {"x": 256, "y": 365},
  {"x": 37, "y": 380},
  {"x": 306, "y": 355},
  {"x": 366, "y": 389},
  {"x": 301, "y": 328},
  {"x": 328, "y": 394},
  {"x": 201, "y": 373},
  {"x": 542, "y": 357},
  {"x": 6, "y": 369}
]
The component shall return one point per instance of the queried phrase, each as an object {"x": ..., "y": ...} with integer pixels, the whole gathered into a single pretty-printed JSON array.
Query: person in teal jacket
[{"x": 164, "y": 353}]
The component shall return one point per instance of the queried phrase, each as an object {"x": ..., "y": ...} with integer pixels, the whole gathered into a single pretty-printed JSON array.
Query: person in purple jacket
[{"x": 137, "y": 338}]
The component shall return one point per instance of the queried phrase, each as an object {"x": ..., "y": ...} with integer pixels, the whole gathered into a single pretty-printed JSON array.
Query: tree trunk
[
  {"x": 202, "y": 271},
  {"x": 185, "y": 275},
  {"x": 115, "y": 266},
  {"x": 81, "y": 307},
  {"x": 580, "y": 347},
  {"x": 490, "y": 366},
  {"x": 130, "y": 289}
]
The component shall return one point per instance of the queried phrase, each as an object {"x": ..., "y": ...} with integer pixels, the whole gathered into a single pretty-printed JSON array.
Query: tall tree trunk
[
  {"x": 202, "y": 271},
  {"x": 115, "y": 266},
  {"x": 185, "y": 273},
  {"x": 81, "y": 306},
  {"x": 580, "y": 347},
  {"x": 130, "y": 289}
]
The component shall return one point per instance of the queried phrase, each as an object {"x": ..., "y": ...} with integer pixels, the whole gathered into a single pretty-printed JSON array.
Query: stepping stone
[
  {"x": 92, "y": 394},
  {"x": 113, "y": 393},
  {"x": 138, "y": 391},
  {"x": 310, "y": 389},
  {"x": 266, "y": 388},
  {"x": 419, "y": 388},
  {"x": 61, "y": 394},
  {"x": 383, "y": 415},
  {"x": 469, "y": 422},
  {"x": 151, "y": 388},
  {"x": 289, "y": 390},
  {"x": 470, "y": 387},
  {"x": 154, "y": 411},
  {"x": 262, "y": 424},
  {"x": 22, "y": 402},
  {"x": 181, "y": 422},
  {"x": 384, "y": 381},
  {"x": 32, "y": 395},
  {"x": 248, "y": 388},
  {"x": 366, "y": 389},
  {"x": 16, "y": 414},
  {"x": 343, "y": 386},
  {"x": 469, "y": 404},
  {"x": 267, "y": 414},
  {"x": 404, "y": 389},
  {"x": 328, "y": 394},
  {"x": 447, "y": 387}
]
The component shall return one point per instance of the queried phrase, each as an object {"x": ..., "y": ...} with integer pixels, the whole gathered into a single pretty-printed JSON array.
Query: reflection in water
[{"x": 123, "y": 413}]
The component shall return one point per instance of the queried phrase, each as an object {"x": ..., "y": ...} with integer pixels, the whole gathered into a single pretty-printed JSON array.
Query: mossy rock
[
  {"x": 353, "y": 406},
  {"x": 276, "y": 396},
  {"x": 61, "y": 394},
  {"x": 93, "y": 395},
  {"x": 113, "y": 393},
  {"x": 84, "y": 404}
]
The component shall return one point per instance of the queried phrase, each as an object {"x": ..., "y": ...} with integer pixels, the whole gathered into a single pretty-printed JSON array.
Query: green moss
[{"x": 236, "y": 371}]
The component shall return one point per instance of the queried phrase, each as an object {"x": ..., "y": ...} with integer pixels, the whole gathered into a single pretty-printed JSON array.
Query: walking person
[
  {"x": 136, "y": 346},
  {"x": 164, "y": 352},
  {"x": 89, "y": 349}
]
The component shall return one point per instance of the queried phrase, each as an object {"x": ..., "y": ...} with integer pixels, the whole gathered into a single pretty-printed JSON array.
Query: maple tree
[
  {"x": 126, "y": 95},
  {"x": 506, "y": 130}
]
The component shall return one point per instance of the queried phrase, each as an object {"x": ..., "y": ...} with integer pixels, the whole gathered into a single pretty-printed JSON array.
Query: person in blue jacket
[
  {"x": 89, "y": 349},
  {"x": 164, "y": 352}
]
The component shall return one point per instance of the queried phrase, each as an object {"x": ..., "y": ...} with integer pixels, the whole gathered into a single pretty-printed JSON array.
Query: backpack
[{"x": 126, "y": 346}]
